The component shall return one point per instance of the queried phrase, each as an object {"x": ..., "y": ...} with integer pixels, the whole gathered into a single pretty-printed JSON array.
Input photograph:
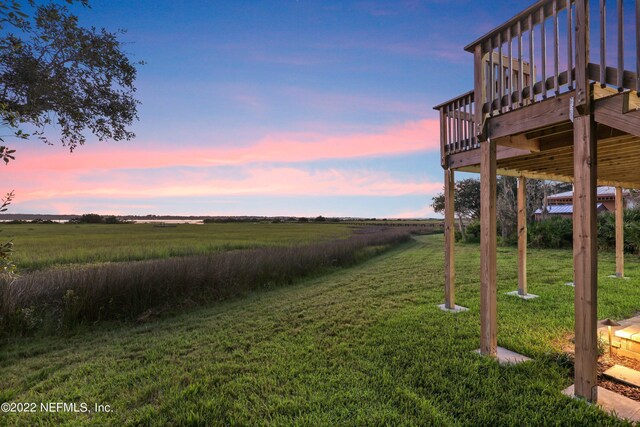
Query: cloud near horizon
[
  {"x": 408, "y": 137},
  {"x": 276, "y": 181},
  {"x": 276, "y": 165}
]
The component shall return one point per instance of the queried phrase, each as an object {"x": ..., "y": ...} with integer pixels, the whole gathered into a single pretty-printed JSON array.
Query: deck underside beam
[
  {"x": 546, "y": 150},
  {"x": 611, "y": 112}
]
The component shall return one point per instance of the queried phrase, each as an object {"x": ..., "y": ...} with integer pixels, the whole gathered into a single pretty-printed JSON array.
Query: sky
[{"x": 269, "y": 108}]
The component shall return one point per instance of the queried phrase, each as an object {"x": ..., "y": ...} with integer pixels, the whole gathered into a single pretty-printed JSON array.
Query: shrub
[
  {"x": 555, "y": 232},
  {"x": 607, "y": 230},
  {"x": 472, "y": 232}
]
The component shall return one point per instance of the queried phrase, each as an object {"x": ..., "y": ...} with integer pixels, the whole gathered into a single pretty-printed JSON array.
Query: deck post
[
  {"x": 585, "y": 257},
  {"x": 449, "y": 241},
  {"x": 522, "y": 236},
  {"x": 585, "y": 250},
  {"x": 488, "y": 291},
  {"x": 619, "y": 233}
]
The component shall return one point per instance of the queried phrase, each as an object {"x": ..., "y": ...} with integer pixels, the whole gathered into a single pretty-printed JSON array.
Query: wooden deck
[
  {"x": 549, "y": 101},
  {"x": 537, "y": 141}
]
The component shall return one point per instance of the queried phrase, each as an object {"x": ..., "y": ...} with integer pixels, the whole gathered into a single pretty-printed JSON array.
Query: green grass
[
  {"x": 44, "y": 245},
  {"x": 361, "y": 346}
]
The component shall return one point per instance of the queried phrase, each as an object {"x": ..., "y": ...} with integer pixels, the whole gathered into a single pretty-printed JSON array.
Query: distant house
[{"x": 561, "y": 204}]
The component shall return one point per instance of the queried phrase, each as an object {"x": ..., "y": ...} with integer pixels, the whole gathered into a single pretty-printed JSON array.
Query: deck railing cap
[
  {"x": 464, "y": 95},
  {"x": 511, "y": 22}
]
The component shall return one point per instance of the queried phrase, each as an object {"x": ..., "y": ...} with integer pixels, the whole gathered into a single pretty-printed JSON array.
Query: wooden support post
[
  {"x": 449, "y": 241},
  {"x": 488, "y": 296},
  {"x": 619, "y": 233},
  {"x": 585, "y": 257},
  {"x": 522, "y": 236}
]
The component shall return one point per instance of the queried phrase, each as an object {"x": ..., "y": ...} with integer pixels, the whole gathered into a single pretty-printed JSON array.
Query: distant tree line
[
  {"x": 92, "y": 218},
  {"x": 275, "y": 220}
]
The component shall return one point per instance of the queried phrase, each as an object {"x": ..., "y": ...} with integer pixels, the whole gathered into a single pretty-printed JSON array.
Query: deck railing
[
  {"x": 533, "y": 56},
  {"x": 538, "y": 40},
  {"x": 457, "y": 125}
]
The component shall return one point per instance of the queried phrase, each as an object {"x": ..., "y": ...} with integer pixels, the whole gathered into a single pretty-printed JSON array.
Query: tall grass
[
  {"x": 42, "y": 246},
  {"x": 65, "y": 297}
]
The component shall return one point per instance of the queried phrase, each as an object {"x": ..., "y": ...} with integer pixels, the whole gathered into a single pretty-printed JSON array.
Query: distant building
[{"x": 561, "y": 204}]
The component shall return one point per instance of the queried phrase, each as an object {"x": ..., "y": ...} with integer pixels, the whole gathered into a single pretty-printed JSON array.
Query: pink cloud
[
  {"x": 409, "y": 137},
  {"x": 287, "y": 181}
]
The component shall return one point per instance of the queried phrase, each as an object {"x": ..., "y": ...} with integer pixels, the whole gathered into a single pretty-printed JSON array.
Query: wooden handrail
[{"x": 528, "y": 17}]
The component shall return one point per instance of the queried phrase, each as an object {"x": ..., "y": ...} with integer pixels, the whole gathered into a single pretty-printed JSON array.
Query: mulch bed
[{"x": 605, "y": 362}]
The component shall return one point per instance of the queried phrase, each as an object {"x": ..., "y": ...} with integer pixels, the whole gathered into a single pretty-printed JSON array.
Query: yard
[{"x": 365, "y": 345}]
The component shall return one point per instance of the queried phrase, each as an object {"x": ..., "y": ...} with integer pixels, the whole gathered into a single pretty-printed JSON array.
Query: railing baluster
[
  {"x": 520, "y": 65},
  {"x": 500, "y": 73},
  {"x": 620, "y": 46},
  {"x": 465, "y": 123},
  {"x": 492, "y": 77},
  {"x": 532, "y": 74},
  {"x": 459, "y": 125},
  {"x": 543, "y": 47},
  {"x": 569, "y": 46},
  {"x": 603, "y": 42},
  {"x": 556, "y": 48},
  {"x": 470, "y": 122},
  {"x": 455, "y": 127},
  {"x": 510, "y": 68},
  {"x": 456, "y": 139},
  {"x": 449, "y": 128}
]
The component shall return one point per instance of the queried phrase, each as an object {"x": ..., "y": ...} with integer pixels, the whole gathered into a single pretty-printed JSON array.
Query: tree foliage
[
  {"x": 55, "y": 72},
  {"x": 466, "y": 195},
  {"x": 7, "y": 267},
  {"x": 467, "y": 203}
]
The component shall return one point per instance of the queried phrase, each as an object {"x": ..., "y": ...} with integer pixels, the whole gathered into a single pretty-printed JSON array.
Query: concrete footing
[
  {"x": 455, "y": 309},
  {"x": 508, "y": 357},
  {"x": 618, "y": 405},
  {"x": 524, "y": 296}
]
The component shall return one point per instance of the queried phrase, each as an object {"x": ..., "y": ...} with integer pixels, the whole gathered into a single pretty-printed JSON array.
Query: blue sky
[{"x": 270, "y": 108}]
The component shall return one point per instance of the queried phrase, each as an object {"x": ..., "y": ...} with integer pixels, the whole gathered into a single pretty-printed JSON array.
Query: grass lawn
[
  {"x": 44, "y": 245},
  {"x": 361, "y": 346}
]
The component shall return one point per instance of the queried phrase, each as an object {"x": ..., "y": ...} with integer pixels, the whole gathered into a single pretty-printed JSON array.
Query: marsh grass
[
  {"x": 40, "y": 246},
  {"x": 62, "y": 298}
]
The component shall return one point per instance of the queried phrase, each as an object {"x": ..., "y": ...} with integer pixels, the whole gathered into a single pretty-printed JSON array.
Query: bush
[
  {"x": 472, "y": 232},
  {"x": 555, "y": 232},
  {"x": 607, "y": 230},
  {"x": 66, "y": 297}
]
